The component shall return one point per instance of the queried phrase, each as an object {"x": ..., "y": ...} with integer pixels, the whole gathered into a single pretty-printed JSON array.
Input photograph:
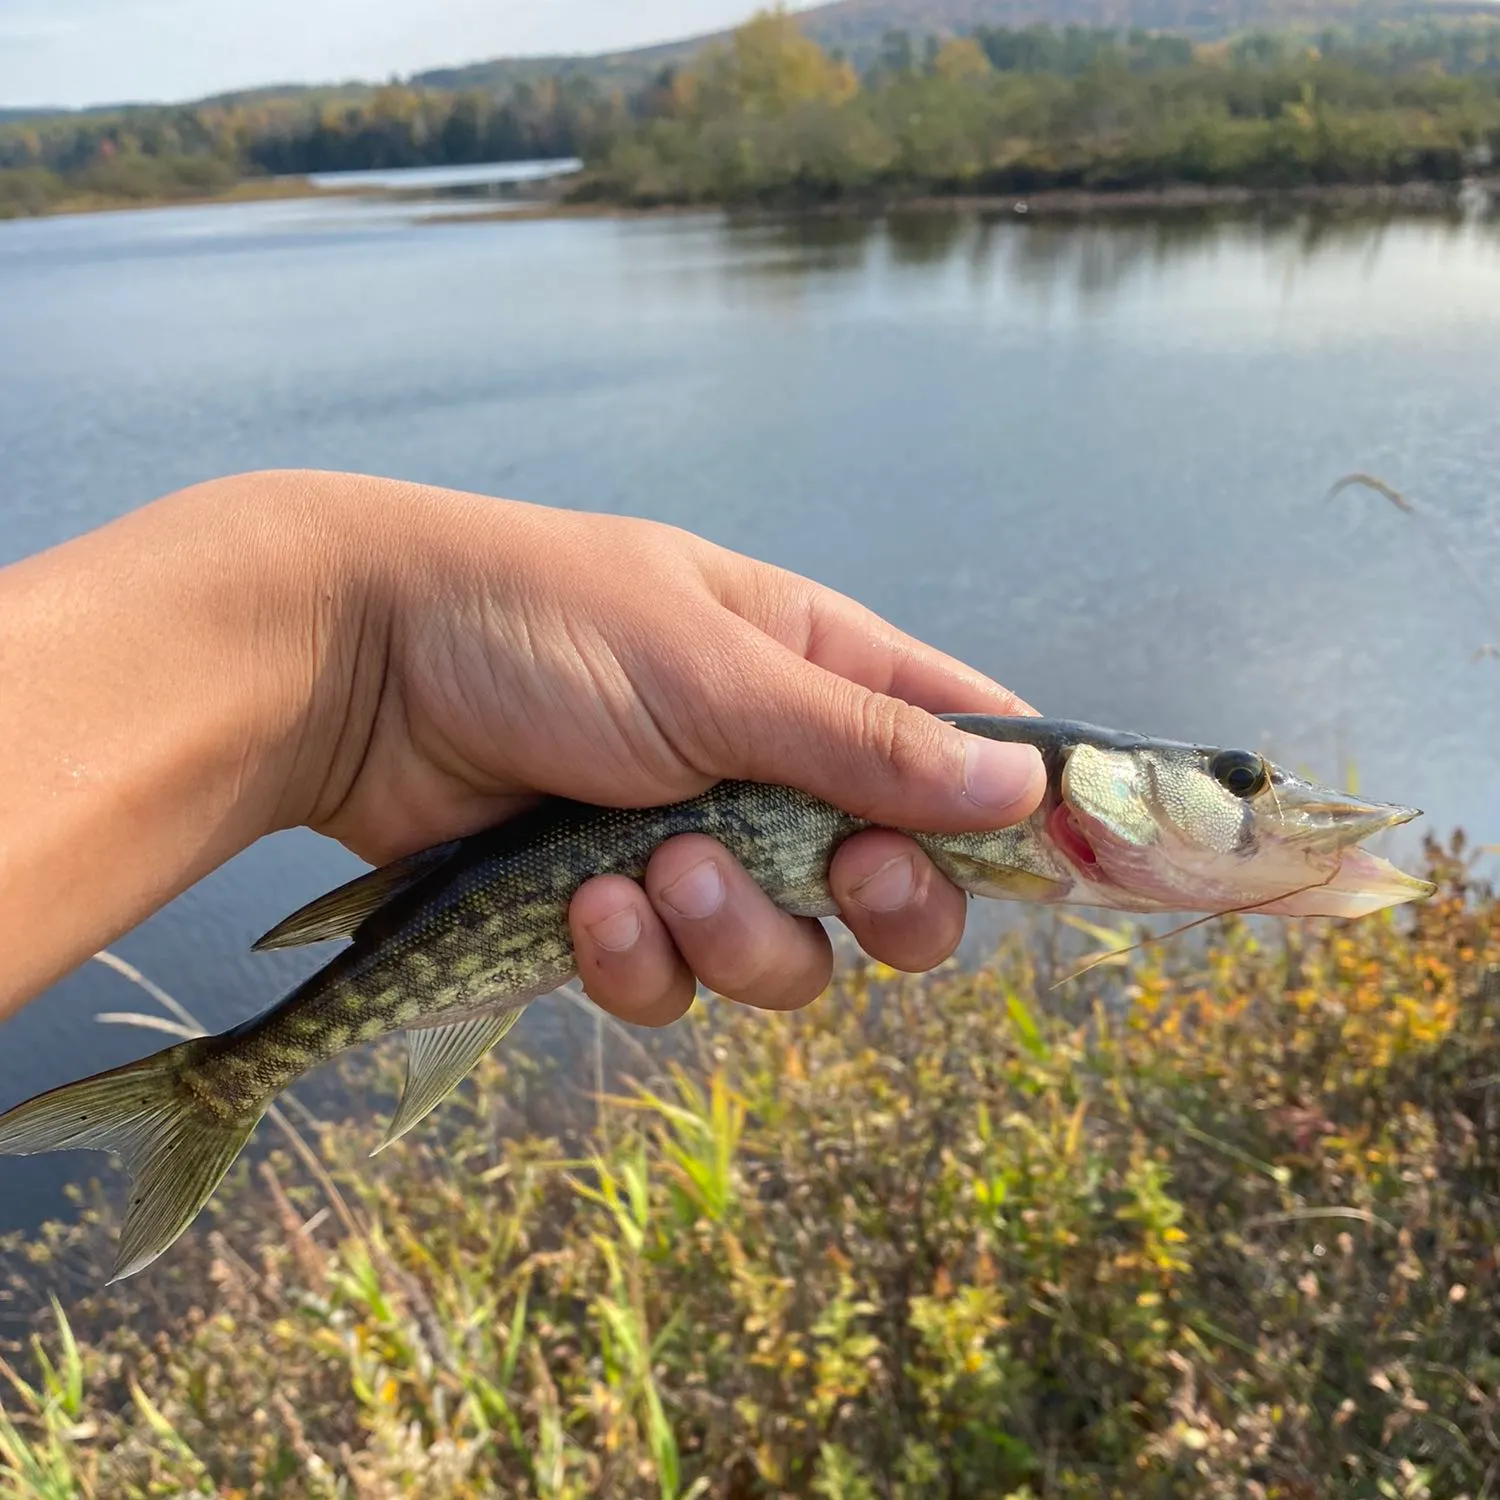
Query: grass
[{"x": 1216, "y": 1221}]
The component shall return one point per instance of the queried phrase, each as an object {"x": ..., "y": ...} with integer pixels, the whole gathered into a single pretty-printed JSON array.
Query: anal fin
[{"x": 438, "y": 1060}]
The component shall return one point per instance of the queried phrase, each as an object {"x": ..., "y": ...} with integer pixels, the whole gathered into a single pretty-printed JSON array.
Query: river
[{"x": 1089, "y": 457}]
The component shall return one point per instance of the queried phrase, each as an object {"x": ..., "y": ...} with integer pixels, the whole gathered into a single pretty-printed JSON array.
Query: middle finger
[{"x": 727, "y": 929}]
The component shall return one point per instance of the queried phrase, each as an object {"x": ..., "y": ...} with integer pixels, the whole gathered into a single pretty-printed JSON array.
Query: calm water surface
[{"x": 1090, "y": 459}]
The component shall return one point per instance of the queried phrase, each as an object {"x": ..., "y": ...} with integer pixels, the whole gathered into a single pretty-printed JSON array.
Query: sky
[{"x": 76, "y": 52}]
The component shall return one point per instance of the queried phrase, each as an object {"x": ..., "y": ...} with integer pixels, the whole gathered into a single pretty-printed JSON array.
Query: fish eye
[{"x": 1239, "y": 771}]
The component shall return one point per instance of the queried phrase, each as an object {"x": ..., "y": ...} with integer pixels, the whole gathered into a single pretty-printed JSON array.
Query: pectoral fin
[
  {"x": 438, "y": 1060},
  {"x": 999, "y": 882},
  {"x": 340, "y": 913}
]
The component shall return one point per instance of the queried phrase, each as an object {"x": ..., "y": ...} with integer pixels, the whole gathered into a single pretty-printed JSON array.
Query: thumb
[{"x": 870, "y": 754}]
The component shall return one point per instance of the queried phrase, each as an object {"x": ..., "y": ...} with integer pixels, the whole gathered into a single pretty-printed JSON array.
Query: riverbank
[
  {"x": 244, "y": 190},
  {"x": 576, "y": 198},
  {"x": 389, "y": 186},
  {"x": 1477, "y": 195},
  {"x": 1212, "y": 1222}
]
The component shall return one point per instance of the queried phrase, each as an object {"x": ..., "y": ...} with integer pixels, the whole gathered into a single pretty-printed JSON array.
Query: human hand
[
  {"x": 623, "y": 662},
  {"x": 395, "y": 665}
]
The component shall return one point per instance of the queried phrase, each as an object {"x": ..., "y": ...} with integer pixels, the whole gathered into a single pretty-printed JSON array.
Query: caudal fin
[{"x": 175, "y": 1151}]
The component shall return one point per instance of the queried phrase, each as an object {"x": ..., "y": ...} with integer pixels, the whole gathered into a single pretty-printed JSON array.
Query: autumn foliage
[
  {"x": 769, "y": 118},
  {"x": 1218, "y": 1220},
  {"x": 1019, "y": 112}
]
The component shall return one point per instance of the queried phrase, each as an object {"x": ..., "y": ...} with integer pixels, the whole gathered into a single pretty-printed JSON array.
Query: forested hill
[{"x": 859, "y": 28}]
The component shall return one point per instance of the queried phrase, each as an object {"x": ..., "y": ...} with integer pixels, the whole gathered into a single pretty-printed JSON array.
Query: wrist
[
  {"x": 168, "y": 686},
  {"x": 300, "y": 620}
]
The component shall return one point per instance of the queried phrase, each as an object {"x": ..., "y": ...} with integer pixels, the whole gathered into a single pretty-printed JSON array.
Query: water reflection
[
  {"x": 798, "y": 246},
  {"x": 1085, "y": 258},
  {"x": 924, "y": 239}
]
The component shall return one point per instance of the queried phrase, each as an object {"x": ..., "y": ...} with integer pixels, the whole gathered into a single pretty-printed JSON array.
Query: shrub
[{"x": 1218, "y": 1220}]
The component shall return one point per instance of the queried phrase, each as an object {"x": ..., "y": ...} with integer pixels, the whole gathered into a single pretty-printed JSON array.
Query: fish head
[{"x": 1156, "y": 826}]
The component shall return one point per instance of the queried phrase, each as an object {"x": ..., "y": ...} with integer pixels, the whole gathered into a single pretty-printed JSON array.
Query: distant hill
[
  {"x": 625, "y": 70},
  {"x": 855, "y": 28},
  {"x": 355, "y": 88}
]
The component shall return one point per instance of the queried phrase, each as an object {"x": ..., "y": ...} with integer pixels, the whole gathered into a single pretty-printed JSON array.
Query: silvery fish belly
[{"x": 451, "y": 944}]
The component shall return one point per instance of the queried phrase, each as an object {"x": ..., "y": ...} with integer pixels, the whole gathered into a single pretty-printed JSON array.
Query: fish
[{"x": 451, "y": 944}]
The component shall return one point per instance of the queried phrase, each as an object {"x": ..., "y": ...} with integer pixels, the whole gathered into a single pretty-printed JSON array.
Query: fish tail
[{"x": 175, "y": 1147}]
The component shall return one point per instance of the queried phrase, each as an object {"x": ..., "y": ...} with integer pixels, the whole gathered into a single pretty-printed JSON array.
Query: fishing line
[
  {"x": 1428, "y": 522},
  {"x": 1163, "y": 937}
]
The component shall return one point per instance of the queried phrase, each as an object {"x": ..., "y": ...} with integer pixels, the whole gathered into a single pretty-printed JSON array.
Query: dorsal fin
[{"x": 340, "y": 912}]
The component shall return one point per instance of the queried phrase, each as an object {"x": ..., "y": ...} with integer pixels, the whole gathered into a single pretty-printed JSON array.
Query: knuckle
[
  {"x": 733, "y": 965},
  {"x": 737, "y": 972},
  {"x": 719, "y": 729},
  {"x": 901, "y": 736},
  {"x": 639, "y": 989},
  {"x": 794, "y": 978},
  {"x": 671, "y": 1001},
  {"x": 933, "y": 944}
]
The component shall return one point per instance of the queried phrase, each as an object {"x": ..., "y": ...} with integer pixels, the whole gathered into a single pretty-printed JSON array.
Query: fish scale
[{"x": 452, "y": 943}]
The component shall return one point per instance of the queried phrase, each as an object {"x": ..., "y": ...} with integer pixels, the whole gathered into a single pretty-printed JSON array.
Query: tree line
[{"x": 771, "y": 116}]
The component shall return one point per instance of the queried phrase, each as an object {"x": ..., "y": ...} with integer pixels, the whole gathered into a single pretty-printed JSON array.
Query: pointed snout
[{"x": 1326, "y": 819}]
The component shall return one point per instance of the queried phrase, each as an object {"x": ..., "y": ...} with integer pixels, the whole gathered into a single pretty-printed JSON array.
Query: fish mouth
[
  {"x": 1325, "y": 822},
  {"x": 1334, "y": 821}
]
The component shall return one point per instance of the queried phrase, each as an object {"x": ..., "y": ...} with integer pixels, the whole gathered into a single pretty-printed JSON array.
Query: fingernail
[
  {"x": 697, "y": 894},
  {"x": 619, "y": 933},
  {"x": 889, "y": 887},
  {"x": 998, "y": 774}
]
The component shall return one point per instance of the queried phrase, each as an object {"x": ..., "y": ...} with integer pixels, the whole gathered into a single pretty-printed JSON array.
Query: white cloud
[{"x": 93, "y": 51}]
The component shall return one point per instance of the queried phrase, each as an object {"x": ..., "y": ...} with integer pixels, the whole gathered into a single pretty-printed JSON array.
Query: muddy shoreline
[
  {"x": 1474, "y": 195},
  {"x": 559, "y": 200}
]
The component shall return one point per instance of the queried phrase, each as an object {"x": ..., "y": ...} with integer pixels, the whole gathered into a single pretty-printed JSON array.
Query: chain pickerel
[{"x": 451, "y": 944}]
